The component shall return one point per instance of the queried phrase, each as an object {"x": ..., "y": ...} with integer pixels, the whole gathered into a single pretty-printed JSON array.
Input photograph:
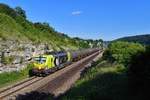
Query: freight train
[{"x": 48, "y": 63}]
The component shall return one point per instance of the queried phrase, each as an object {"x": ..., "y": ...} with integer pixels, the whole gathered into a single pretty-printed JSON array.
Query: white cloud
[{"x": 76, "y": 13}]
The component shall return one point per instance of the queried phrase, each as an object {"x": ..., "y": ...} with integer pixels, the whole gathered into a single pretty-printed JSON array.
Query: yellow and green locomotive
[{"x": 48, "y": 63}]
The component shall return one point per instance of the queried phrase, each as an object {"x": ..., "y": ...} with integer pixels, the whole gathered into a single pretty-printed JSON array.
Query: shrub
[
  {"x": 139, "y": 71},
  {"x": 121, "y": 52},
  {"x": 20, "y": 11},
  {"x": 8, "y": 60}
]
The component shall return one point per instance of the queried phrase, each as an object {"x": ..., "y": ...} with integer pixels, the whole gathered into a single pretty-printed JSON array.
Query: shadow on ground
[
  {"x": 35, "y": 96},
  {"x": 108, "y": 86}
]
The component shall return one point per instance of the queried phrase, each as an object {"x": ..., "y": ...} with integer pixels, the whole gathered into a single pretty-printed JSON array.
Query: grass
[
  {"x": 8, "y": 78},
  {"x": 103, "y": 82}
]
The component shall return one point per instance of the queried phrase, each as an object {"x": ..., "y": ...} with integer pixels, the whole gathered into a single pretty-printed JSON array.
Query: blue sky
[{"x": 106, "y": 19}]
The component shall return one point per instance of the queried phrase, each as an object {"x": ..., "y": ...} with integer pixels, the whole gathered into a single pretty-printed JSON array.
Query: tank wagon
[{"x": 48, "y": 63}]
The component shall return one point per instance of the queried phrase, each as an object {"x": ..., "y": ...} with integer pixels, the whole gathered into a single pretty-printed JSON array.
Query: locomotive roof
[{"x": 58, "y": 53}]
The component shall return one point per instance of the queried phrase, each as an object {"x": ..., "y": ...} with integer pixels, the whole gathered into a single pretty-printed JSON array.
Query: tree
[
  {"x": 21, "y": 12},
  {"x": 7, "y": 10},
  {"x": 139, "y": 73},
  {"x": 44, "y": 27},
  {"x": 46, "y": 24},
  {"x": 122, "y": 52}
]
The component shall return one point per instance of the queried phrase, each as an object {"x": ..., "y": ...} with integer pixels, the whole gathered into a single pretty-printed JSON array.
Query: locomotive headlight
[
  {"x": 46, "y": 67},
  {"x": 40, "y": 67}
]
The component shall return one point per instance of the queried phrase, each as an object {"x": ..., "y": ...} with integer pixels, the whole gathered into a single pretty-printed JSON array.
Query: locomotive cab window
[{"x": 40, "y": 59}]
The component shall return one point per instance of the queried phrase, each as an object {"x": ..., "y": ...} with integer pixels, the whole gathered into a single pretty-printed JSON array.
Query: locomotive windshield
[{"x": 40, "y": 59}]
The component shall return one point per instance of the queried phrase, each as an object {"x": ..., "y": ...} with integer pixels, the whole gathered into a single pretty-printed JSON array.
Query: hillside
[
  {"x": 13, "y": 26},
  {"x": 143, "y": 39}
]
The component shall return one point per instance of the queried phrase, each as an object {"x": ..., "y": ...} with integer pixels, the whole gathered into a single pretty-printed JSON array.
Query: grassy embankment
[
  {"x": 15, "y": 27},
  {"x": 102, "y": 82},
  {"x": 11, "y": 30},
  {"x": 9, "y": 78}
]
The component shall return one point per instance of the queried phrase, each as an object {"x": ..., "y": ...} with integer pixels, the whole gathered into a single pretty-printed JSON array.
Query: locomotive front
[
  {"x": 46, "y": 64},
  {"x": 42, "y": 64}
]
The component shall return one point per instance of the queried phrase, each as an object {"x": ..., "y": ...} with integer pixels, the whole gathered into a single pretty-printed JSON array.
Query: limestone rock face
[{"x": 15, "y": 56}]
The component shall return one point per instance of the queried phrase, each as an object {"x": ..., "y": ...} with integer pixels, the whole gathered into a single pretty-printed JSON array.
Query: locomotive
[{"x": 48, "y": 63}]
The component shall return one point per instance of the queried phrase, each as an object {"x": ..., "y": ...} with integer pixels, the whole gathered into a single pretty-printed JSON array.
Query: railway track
[
  {"x": 12, "y": 89},
  {"x": 15, "y": 85},
  {"x": 45, "y": 83}
]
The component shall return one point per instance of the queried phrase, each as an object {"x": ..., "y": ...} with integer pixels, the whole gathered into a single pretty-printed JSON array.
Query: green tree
[
  {"x": 139, "y": 73},
  {"x": 20, "y": 11},
  {"x": 121, "y": 52},
  {"x": 44, "y": 27},
  {"x": 7, "y": 10}
]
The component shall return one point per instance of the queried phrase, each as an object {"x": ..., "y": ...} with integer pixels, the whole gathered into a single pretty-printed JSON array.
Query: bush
[
  {"x": 8, "y": 60},
  {"x": 139, "y": 71},
  {"x": 122, "y": 52}
]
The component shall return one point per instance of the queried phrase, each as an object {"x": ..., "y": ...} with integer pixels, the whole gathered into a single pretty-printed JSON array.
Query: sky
[{"x": 90, "y": 19}]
